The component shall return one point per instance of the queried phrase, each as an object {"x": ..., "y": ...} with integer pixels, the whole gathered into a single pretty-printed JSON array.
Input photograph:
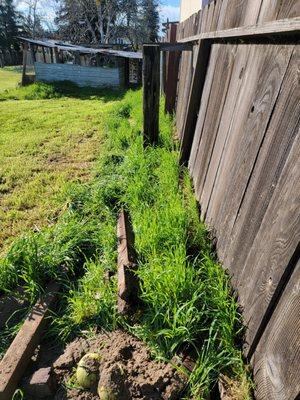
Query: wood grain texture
[
  {"x": 232, "y": 14},
  {"x": 278, "y": 9},
  {"x": 275, "y": 242},
  {"x": 277, "y": 358},
  {"x": 262, "y": 82},
  {"x": 289, "y": 9},
  {"x": 203, "y": 107},
  {"x": 217, "y": 96},
  {"x": 280, "y": 135},
  {"x": 186, "y": 72},
  {"x": 194, "y": 98},
  {"x": 209, "y": 209},
  {"x": 289, "y": 26}
]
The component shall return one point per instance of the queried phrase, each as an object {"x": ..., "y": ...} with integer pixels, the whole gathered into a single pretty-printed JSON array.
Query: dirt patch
[{"x": 126, "y": 368}]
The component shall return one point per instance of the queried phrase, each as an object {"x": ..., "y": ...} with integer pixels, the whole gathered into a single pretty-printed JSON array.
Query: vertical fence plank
[
  {"x": 198, "y": 80},
  {"x": 151, "y": 92},
  {"x": 280, "y": 135},
  {"x": 277, "y": 358}
]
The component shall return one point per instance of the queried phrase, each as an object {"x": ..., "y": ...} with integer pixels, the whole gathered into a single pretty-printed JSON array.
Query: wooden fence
[{"x": 238, "y": 118}]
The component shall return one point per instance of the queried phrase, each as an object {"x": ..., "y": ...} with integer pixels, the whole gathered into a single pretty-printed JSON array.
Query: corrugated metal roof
[{"x": 82, "y": 49}]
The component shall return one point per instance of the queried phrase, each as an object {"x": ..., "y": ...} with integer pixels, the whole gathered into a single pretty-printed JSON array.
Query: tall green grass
[{"x": 186, "y": 295}]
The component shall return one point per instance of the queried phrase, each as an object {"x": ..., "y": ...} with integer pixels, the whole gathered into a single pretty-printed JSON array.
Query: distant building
[{"x": 189, "y": 7}]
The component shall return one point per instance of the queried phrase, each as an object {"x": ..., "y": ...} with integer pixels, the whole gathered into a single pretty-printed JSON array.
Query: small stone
[{"x": 40, "y": 384}]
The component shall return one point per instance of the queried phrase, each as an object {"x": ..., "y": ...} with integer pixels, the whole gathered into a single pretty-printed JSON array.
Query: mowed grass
[
  {"x": 9, "y": 78},
  {"x": 44, "y": 146}
]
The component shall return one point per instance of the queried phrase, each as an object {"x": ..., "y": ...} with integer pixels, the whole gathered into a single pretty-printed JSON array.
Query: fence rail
[{"x": 238, "y": 119}]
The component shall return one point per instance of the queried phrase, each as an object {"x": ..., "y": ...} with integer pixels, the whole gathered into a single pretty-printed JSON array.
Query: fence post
[
  {"x": 151, "y": 92},
  {"x": 25, "y": 49},
  {"x": 172, "y": 69}
]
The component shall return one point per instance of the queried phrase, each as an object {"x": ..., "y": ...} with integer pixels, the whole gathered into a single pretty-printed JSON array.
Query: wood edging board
[
  {"x": 15, "y": 361},
  {"x": 127, "y": 280},
  {"x": 287, "y": 26}
]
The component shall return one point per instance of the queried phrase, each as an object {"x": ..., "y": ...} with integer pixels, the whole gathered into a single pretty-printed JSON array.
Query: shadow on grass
[{"x": 62, "y": 89}]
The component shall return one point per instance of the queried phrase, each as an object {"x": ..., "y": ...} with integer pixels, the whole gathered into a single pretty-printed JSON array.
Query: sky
[{"x": 169, "y": 9}]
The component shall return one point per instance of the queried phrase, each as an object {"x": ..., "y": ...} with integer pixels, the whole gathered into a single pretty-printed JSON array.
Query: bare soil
[{"x": 126, "y": 368}]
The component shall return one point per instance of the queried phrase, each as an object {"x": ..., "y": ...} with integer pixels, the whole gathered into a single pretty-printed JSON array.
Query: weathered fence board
[
  {"x": 275, "y": 242},
  {"x": 208, "y": 208},
  {"x": 277, "y": 357},
  {"x": 241, "y": 134},
  {"x": 263, "y": 78},
  {"x": 280, "y": 135},
  {"x": 218, "y": 93}
]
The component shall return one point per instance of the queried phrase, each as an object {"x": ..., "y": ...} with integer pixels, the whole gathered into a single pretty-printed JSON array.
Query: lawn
[
  {"x": 9, "y": 78},
  {"x": 44, "y": 146}
]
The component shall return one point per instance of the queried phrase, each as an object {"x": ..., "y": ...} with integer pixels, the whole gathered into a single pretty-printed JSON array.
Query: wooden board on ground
[
  {"x": 127, "y": 280},
  {"x": 15, "y": 361}
]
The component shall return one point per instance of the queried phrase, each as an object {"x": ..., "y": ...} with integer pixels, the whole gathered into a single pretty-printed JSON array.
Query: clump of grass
[
  {"x": 57, "y": 90},
  {"x": 186, "y": 295}
]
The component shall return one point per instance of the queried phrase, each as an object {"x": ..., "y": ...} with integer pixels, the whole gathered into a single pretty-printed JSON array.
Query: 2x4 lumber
[
  {"x": 127, "y": 280},
  {"x": 15, "y": 361},
  {"x": 151, "y": 92},
  {"x": 290, "y": 26},
  {"x": 198, "y": 80}
]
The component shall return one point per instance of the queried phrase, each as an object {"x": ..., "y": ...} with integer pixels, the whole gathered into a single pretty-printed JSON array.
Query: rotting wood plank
[
  {"x": 15, "y": 361},
  {"x": 193, "y": 104},
  {"x": 277, "y": 358},
  {"x": 151, "y": 93},
  {"x": 290, "y": 26},
  {"x": 282, "y": 130},
  {"x": 263, "y": 79},
  {"x": 264, "y": 270},
  {"x": 127, "y": 280}
]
